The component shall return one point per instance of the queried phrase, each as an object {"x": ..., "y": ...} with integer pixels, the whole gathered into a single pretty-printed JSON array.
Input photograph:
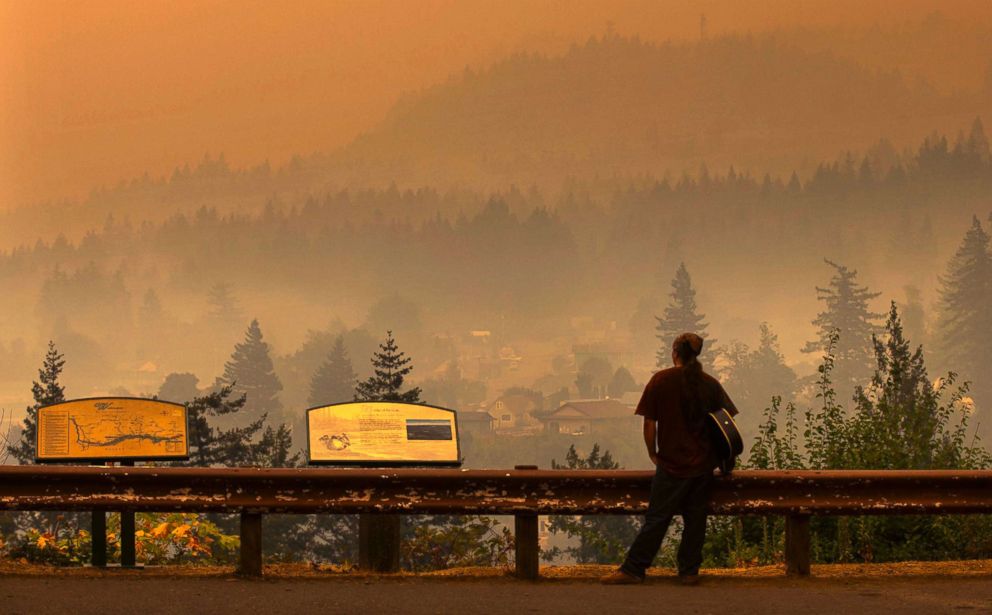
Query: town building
[{"x": 581, "y": 417}]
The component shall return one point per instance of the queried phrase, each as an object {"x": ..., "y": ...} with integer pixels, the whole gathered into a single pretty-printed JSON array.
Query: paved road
[{"x": 23, "y": 595}]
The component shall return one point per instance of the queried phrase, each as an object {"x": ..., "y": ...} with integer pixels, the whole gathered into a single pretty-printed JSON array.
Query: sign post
[
  {"x": 106, "y": 429},
  {"x": 381, "y": 434}
]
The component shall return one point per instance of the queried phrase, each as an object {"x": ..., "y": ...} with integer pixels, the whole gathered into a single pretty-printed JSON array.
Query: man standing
[{"x": 674, "y": 406}]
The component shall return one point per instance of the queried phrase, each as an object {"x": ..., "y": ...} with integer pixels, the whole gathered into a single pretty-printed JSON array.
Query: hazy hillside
[
  {"x": 623, "y": 106},
  {"x": 612, "y": 107},
  {"x": 948, "y": 53}
]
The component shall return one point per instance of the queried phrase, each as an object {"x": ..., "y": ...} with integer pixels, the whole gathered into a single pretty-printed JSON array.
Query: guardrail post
[
  {"x": 128, "y": 555},
  {"x": 98, "y": 539},
  {"x": 250, "y": 556},
  {"x": 797, "y": 545},
  {"x": 128, "y": 559},
  {"x": 379, "y": 542},
  {"x": 526, "y": 548}
]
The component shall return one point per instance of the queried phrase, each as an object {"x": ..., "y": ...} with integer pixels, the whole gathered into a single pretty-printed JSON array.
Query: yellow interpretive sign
[
  {"x": 112, "y": 428},
  {"x": 382, "y": 433}
]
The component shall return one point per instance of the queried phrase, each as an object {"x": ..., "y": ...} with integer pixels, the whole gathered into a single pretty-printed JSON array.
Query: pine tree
[
  {"x": 847, "y": 313},
  {"x": 46, "y": 391},
  {"x": 390, "y": 367},
  {"x": 601, "y": 538},
  {"x": 150, "y": 313},
  {"x": 223, "y": 304},
  {"x": 211, "y": 444},
  {"x": 964, "y": 340},
  {"x": 622, "y": 382},
  {"x": 756, "y": 376},
  {"x": 334, "y": 380},
  {"x": 680, "y": 316},
  {"x": 899, "y": 421},
  {"x": 250, "y": 372}
]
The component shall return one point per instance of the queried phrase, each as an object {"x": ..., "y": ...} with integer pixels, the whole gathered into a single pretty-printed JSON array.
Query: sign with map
[
  {"x": 382, "y": 434},
  {"x": 112, "y": 429}
]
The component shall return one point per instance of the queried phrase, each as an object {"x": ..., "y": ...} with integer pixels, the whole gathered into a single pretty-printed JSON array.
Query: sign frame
[
  {"x": 184, "y": 456},
  {"x": 393, "y": 463}
]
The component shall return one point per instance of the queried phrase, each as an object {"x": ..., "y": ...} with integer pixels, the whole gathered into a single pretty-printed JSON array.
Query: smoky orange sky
[{"x": 95, "y": 92}]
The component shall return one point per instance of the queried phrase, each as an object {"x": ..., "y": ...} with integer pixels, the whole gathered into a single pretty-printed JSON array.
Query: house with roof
[
  {"x": 579, "y": 417},
  {"x": 475, "y": 422},
  {"x": 515, "y": 412}
]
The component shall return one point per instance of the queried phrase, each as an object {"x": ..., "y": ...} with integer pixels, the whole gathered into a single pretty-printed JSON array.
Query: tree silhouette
[
  {"x": 680, "y": 316},
  {"x": 334, "y": 380},
  {"x": 390, "y": 366},
  {"x": 223, "y": 304},
  {"x": 250, "y": 372},
  {"x": 622, "y": 382},
  {"x": 847, "y": 314},
  {"x": 46, "y": 391},
  {"x": 964, "y": 328},
  {"x": 756, "y": 376}
]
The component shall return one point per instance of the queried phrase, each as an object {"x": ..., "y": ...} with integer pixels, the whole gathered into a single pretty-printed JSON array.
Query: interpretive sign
[
  {"x": 112, "y": 429},
  {"x": 382, "y": 433}
]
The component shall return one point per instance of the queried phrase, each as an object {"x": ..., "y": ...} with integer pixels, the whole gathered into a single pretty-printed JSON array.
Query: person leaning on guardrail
[{"x": 674, "y": 405}]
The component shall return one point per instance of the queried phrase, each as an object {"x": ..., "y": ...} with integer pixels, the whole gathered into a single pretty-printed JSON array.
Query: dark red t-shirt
[{"x": 684, "y": 448}]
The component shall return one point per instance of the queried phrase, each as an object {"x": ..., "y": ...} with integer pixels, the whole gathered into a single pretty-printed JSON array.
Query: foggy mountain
[
  {"x": 546, "y": 201},
  {"x": 612, "y": 107},
  {"x": 619, "y": 106}
]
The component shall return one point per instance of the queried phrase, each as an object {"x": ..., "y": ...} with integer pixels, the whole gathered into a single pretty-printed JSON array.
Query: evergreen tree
[
  {"x": 250, "y": 372},
  {"x": 224, "y": 308},
  {"x": 602, "y": 538},
  {"x": 46, "y": 391},
  {"x": 756, "y": 376},
  {"x": 390, "y": 366},
  {"x": 897, "y": 422},
  {"x": 964, "y": 340},
  {"x": 900, "y": 420},
  {"x": 622, "y": 382},
  {"x": 847, "y": 313},
  {"x": 914, "y": 317},
  {"x": 680, "y": 316},
  {"x": 594, "y": 377},
  {"x": 210, "y": 444},
  {"x": 179, "y": 387},
  {"x": 334, "y": 380}
]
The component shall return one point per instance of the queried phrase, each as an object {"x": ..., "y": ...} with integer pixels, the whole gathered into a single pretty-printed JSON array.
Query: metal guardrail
[{"x": 379, "y": 495}]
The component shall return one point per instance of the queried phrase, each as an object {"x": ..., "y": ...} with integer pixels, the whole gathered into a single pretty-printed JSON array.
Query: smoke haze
[{"x": 508, "y": 186}]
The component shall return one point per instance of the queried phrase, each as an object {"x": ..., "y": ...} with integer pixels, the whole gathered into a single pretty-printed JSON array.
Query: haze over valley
[{"x": 516, "y": 220}]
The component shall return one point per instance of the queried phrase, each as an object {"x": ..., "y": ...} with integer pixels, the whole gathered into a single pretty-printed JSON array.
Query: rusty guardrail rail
[{"x": 379, "y": 494}]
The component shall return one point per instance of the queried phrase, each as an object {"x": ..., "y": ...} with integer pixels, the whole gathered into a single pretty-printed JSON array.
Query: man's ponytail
[{"x": 687, "y": 348}]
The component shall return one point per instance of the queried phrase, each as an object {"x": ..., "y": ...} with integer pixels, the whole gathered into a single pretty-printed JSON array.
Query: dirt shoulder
[{"x": 913, "y": 588}]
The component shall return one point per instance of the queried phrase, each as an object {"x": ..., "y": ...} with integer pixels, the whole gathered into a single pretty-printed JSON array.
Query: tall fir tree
[
  {"x": 246, "y": 443},
  {"x": 756, "y": 376},
  {"x": 848, "y": 315},
  {"x": 46, "y": 390},
  {"x": 390, "y": 366},
  {"x": 250, "y": 372},
  {"x": 224, "y": 308},
  {"x": 680, "y": 316},
  {"x": 334, "y": 380},
  {"x": 964, "y": 328}
]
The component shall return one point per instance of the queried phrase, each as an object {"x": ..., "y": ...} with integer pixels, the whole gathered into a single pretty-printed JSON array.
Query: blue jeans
[{"x": 671, "y": 496}]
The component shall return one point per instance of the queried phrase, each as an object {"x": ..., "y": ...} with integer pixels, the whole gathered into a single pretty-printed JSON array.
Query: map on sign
[
  {"x": 112, "y": 428},
  {"x": 382, "y": 433}
]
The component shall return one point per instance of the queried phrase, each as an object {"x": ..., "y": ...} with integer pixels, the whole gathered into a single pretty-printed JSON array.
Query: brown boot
[
  {"x": 689, "y": 579},
  {"x": 621, "y": 578}
]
